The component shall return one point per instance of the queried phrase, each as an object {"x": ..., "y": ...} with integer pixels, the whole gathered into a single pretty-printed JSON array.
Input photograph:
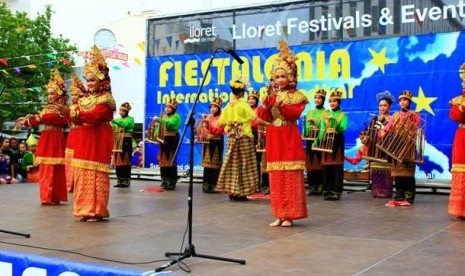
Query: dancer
[
  {"x": 92, "y": 153},
  {"x": 238, "y": 176},
  {"x": 212, "y": 152},
  {"x": 380, "y": 171},
  {"x": 333, "y": 163},
  {"x": 285, "y": 155},
  {"x": 170, "y": 124},
  {"x": 457, "y": 191},
  {"x": 51, "y": 147},
  {"x": 77, "y": 91},
  {"x": 403, "y": 172},
  {"x": 123, "y": 128},
  {"x": 313, "y": 158}
]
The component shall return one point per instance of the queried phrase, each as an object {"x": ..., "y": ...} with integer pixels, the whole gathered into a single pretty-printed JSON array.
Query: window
[{"x": 105, "y": 39}]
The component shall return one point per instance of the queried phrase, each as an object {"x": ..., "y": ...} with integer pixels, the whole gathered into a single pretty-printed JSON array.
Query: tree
[{"x": 28, "y": 53}]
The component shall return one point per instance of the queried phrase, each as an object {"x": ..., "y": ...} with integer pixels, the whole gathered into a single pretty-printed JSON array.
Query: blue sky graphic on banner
[{"x": 426, "y": 64}]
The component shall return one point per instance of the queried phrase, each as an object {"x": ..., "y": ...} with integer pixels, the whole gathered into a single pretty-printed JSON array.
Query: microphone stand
[
  {"x": 189, "y": 251},
  {"x": 15, "y": 233}
]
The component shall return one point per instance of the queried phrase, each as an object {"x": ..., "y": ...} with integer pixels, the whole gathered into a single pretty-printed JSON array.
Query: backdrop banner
[{"x": 425, "y": 64}]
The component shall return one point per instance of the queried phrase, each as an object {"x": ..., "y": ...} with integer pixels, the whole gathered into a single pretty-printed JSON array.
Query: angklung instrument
[{"x": 405, "y": 140}]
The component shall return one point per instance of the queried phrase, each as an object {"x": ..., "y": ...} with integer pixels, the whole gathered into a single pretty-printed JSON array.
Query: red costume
[
  {"x": 92, "y": 153},
  {"x": 285, "y": 155},
  {"x": 77, "y": 90},
  {"x": 51, "y": 146},
  {"x": 457, "y": 191}
]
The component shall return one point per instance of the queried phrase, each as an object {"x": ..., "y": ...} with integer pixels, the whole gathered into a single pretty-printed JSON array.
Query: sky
[{"x": 87, "y": 16}]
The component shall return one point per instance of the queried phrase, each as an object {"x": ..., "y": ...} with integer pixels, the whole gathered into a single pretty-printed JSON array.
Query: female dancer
[
  {"x": 333, "y": 163},
  {"x": 77, "y": 91},
  {"x": 239, "y": 175},
  {"x": 403, "y": 172},
  {"x": 212, "y": 153},
  {"x": 285, "y": 155},
  {"x": 92, "y": 153},
  {"x": 457, "y": 191},
  {"x": 124, "y": 127},
  {"x": 51, "y": 147}
]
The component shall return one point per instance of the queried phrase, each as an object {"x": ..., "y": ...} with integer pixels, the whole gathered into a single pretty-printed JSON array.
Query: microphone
[{"x": 234, "y": 55}]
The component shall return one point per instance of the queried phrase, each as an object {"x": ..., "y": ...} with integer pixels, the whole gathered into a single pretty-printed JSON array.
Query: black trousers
[
  {"x": 169, "y": 173},
  {"x": 333, "y": 176},
  {"x": 405, "y": 188},
  {"x": 123, "y": 172}
]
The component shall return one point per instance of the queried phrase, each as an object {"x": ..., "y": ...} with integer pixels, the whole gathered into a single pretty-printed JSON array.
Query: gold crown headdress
[
  {"x": 462, "y": 77},
  {"x": 254, "y": 94},
  {"x": 173, "y": 103},
  {"x": 97, "y": 65},
  {"x": 77, "y": 87},
  {"x": 286, "y": 60},
  {"x": 320, "y": 93},
  {"x": 125, "y": 106},
  {"x": 239, "y": 82},
  {"x": 336, "y": 95},
  {"x": 218, "y": 102},
  {"x": 56, "y": 83},
  {"x": 407, "y": 94},
  {"x": 462, "y": 70}
]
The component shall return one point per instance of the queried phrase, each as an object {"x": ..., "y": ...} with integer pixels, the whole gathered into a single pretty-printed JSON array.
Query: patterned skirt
[
  {"x": 91, "y": 193},
  {"x": 239, "y": 174},
  {"x": 69, "y": 169},
  {"x": 381, "y": 180},
  {"x": 287, "y": 193}
]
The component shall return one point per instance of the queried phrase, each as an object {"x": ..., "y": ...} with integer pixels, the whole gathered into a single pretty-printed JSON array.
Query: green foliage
[{"x": 28, "y": 44}]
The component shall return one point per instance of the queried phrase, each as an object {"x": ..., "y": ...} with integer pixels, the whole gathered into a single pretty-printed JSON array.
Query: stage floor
[{"x": 358, "y": 235}]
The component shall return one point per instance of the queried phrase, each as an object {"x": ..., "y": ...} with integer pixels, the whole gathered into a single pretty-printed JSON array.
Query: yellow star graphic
[
  {"x": 423, "y": 102},
  {"x": 380, "y": 58}
]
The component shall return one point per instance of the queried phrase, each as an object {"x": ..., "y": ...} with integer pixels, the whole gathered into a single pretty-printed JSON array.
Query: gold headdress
[
  {"x": 255, "y": 94},
  {"x": 218, "y": 102},
  {"x": 77, "y": 87},
  {"x": 56, "y": 83},
  {"x": 125, "y": 106},
  {"x": 336, "y": 95},
  {"x": 286, "y": 61},
  {"x": 407, "y": 94},
  {"x": 462, "y": 71},
  {"x": 97, "y": 65},
  {"x": 238, "y": 83},
  {"x": 173, "y": 103},
  {"x": 320, "y": 93}
]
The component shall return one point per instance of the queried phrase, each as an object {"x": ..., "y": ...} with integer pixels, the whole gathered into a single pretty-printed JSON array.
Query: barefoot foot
[
  {"x": 276, "y": 223},
  {"x": 286, "y": 223}
]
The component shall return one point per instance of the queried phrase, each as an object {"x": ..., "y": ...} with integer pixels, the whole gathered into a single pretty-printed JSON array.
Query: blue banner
[
  {"x": 20, "y": 264},
  {"x": 425, "y": 64}
]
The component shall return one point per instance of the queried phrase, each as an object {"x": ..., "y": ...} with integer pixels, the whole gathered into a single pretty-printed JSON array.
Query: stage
[{"x": 358, "y": 235}]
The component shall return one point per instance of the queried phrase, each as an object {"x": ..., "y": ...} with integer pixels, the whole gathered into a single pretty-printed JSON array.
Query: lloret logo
[{"x": 201, "y": 34}]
